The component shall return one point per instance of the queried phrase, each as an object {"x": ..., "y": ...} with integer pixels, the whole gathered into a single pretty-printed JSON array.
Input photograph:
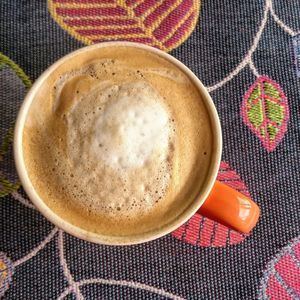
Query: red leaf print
[
  {"x": 265, "y": 111},
  {"x": 162, "y": 24},
  {"x": 204, "y": 232},
  {"x": 281, "y": 280}
]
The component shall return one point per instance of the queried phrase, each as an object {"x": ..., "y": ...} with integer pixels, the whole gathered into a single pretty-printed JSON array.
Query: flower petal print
[
  {"x": 265, "y": 111},
  {"x": 6, "y": 272},
  {"x": 162, "y": 24},
  {"x": 204, "y": 232},
  {"x": 13, "y": 85},
  {"x": 281, "y": 279}
]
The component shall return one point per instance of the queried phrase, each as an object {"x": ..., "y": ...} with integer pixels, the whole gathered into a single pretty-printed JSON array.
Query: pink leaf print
[
  {"x": 201, "y": 231},
  {"x": 265, "y": 111},
  {"x": 281, "y": 279},
  {"x": 162, "y": 24}
]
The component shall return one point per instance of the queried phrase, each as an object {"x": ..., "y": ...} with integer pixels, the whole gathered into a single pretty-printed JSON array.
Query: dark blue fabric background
[{"x": 223, "y": 36}]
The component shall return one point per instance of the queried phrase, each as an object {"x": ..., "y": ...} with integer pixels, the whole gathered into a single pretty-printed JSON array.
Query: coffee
[{"x": 117, "y": 141}]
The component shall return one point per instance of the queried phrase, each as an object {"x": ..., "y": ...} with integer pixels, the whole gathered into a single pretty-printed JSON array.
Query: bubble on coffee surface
[
  {"x": 132, "y": 126},
  {"x": 120, "y": 136},
  {"x": 97, "y": 195}
]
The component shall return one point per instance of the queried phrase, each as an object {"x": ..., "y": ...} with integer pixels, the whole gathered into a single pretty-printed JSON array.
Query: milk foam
[
  {"x": 131, "y": 128},
  {"x": 120, "y": 137}
]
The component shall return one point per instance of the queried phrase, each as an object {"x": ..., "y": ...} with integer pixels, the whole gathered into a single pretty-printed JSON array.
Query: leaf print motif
[
  {"x": 203, "y": 232},
  {"x": 13, "y": 86},
  {"x": 162, "y": 24},
  {"x": 281, "y": 279},
  {"x": 265, "y": 111}
]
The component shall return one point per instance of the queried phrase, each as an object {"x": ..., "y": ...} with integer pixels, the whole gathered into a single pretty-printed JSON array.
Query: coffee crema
[{"x": 115, "y": 139}]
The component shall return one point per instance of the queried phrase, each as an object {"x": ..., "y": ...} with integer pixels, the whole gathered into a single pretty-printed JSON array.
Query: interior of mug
[{"x": 195, "y": 191}]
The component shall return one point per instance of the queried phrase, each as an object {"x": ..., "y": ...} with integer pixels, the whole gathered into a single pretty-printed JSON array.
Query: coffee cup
[{"x": 120, "y": 143}]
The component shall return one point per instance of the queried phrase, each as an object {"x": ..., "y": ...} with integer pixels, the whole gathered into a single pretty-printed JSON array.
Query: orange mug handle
[{"x": 230, "y": 208}]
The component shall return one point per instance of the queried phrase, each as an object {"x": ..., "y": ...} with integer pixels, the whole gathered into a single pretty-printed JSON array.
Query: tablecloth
[{"x": 247, "y": 53}]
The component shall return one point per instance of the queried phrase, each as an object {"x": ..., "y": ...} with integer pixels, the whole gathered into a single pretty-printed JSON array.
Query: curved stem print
[
  {"x": 247, "y": 60},
  {"x": 285, "y": 27},
  {"x": 130, "y": 284},
  {"x": 73, "y": 286},
  {"x": 22, "y": 200},
  {"x": 253, "y": 68},
  {"x": 35, "y": 250}
]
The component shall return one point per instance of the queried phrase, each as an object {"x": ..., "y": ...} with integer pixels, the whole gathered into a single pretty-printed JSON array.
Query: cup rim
[{"x": 118, "y": 240}]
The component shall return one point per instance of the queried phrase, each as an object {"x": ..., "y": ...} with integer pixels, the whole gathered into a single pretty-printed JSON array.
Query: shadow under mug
[{"x": 215, "y": 200}]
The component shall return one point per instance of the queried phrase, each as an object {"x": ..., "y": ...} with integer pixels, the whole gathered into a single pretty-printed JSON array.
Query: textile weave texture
[{"x": 247, "y": 54}]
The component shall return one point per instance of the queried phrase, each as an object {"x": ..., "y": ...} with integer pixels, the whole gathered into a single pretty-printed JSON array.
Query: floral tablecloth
[{"x": 247, "y": 53}]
